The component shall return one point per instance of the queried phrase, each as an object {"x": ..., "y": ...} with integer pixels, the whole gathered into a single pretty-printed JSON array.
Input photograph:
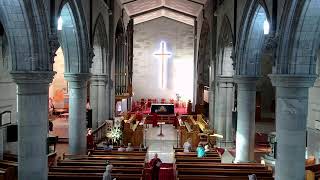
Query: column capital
[
  {"x": 32, "y": 77},
  {"x": 225, "y": 79},
  {"x": 292, "y": 80},
  {"x": 77, "y": 77},
  {"x": 99, "y": 77},
  {"x": 245, "y": 79}
]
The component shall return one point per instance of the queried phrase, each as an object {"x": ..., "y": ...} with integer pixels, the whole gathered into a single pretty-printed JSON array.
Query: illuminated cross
[{"x": 163, "y": 55}]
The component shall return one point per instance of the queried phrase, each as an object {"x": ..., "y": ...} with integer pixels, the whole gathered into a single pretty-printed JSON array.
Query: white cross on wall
[{"x": 163, "y": 55}]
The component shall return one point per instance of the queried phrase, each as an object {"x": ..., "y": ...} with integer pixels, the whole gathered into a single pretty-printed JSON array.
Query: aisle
[{"x": 163, "y": 145}]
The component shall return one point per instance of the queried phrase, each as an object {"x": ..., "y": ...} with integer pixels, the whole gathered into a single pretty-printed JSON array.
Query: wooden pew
[
  {"x": 221, "y": 165},
  {"x": 188, "y": 167},
  {"x": 194, "y": 154},
  {"x": 8, "y": 170},
  {"x": 130, "y": 153},
  {"x": 10, "y": 157},
  {"x": 217, "y": 177},
  {"x": 105, "y": 157},
  {"x": 196, "y": 159},
  {"x": 93, "y": 169},
  {"x": 86, "y": 163},
  {"x": 91, "y": 176}
]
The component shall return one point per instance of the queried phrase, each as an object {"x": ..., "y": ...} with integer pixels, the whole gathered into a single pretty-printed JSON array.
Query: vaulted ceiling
[{"x": 180, "y": 10}]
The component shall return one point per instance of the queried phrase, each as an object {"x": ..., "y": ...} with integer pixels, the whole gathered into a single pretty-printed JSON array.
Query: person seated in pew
[
  {"x": 252, "y": 177},
  {"x": 107, "y": 173},
  {"x": 129, "y": 148},
  {"x": 155, "y": 164},
  {"x": 107, "y": 146},
  {"x": 200, "y": 151},
  {"x": 141, "y": 147},
  {"x": 187, "y": 145},
  {"x": 206, "y": 148},
  {"x": 121, "y": 148}
]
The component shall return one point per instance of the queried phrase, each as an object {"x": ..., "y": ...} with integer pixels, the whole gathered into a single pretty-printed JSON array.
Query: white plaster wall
[{"x": 146, "y": 67}]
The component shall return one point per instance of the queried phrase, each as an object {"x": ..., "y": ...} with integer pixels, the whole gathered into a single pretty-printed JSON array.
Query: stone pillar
[
  {"x": 32, "y": 119},
  {"x": 98, "y": 99},
  {"x": 77, "y": 112},
  {"x": 291, "y": 117},
  {"x": 224, "y": 110},
  {"x": 211, "y": 105},
  {"x": 246, "y": 106}
]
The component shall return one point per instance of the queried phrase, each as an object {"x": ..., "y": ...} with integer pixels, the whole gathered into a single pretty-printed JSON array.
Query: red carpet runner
[{"x": 166, "y": 172}]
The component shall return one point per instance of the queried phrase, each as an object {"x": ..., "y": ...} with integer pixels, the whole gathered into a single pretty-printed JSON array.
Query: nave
[{"x": 239, "y": 76}]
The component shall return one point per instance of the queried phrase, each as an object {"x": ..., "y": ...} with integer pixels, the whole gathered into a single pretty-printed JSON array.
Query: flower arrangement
[{"x": 116, "y": 134}]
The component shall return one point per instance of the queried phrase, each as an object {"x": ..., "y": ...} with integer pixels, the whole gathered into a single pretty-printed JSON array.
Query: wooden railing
[{"x": 99, "y": 134}]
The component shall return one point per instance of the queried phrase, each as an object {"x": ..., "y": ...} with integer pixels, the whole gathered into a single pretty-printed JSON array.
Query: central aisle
[{"x": 163, "y": 145}]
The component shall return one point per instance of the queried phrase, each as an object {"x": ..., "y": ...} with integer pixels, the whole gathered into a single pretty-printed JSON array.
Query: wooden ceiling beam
[{"x": 163, "y": 7}]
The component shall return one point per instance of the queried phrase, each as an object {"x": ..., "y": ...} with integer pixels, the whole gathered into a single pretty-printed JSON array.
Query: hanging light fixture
[
  {"x": 266, "y": 27},
  {"x": 60, "y": 22}
]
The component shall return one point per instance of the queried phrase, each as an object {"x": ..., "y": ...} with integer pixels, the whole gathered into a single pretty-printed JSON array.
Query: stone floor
[{"x": 162, "y": 145}]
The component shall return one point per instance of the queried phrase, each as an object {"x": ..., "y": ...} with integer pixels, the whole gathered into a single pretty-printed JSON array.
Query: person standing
[
  {"x": 107, "y": 173},
  {"x": 155, "y": 164}
]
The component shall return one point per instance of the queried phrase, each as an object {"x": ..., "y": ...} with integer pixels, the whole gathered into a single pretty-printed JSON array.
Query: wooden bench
[
  {"x": 196, "y": 159},
  {"x": 189, "y": 167},
  {"x": 130, "y": 153},
  {"x": 8, "y": 170},
  {"x": 91, "y": 176},
  {"x": 105, "y": 157},
  {"x": 10, "y": 157},
  {"x": 217, "y": 177},
  {"x": 126, "y": 165},
  {"x": 194, "y": 154}
]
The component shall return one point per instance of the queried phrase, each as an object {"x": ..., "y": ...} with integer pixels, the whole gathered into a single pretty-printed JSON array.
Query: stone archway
[
  {"x": 29, "y": 64},
  {"x": 294, "y": 74},
  {"x": 224, "y": 92},
  {"x": 203, "y": 63},
  {"x": 248, "y": 60},
  {"x": 99, "y": 90},
  {"x": 77, "y": 55}
]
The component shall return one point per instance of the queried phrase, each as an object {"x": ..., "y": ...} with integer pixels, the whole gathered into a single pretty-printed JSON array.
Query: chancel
[{"x": 159, "y": 89}]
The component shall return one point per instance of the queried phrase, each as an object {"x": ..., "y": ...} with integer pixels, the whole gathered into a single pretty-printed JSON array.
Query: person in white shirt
[
  {"x": 121, "y": 148},
  {"x": 129, "y": 148},
  {"x": 107, "y": 173},
  {"x": 187, "y": 145}
]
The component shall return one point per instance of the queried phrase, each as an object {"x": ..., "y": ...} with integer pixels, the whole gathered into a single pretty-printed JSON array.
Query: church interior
[{"x": 159, "y": 89}]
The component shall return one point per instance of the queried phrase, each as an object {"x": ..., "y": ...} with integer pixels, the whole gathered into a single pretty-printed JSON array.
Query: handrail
[{"x": 99, "y": 134}]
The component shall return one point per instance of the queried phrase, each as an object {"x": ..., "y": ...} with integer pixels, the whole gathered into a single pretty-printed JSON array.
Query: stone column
[
  {"x": 32, "y": 119},
  {"x": 77, "y": 112},
  {"x": 246, "y": 106},
  {"x": 224, "y": 110},
  {"x": 291, "y": 117},
  {"x": 102, "y": 102},
  {"x": 98, "y": 99},
  {"x": 211, "y": 105}
]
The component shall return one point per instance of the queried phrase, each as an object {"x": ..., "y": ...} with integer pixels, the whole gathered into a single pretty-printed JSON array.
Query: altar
[{"x": 163, "y": 109}]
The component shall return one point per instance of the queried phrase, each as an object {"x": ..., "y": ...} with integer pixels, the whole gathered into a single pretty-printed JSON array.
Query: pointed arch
[
  {"x": 100, "y": 45},
  {"x": 251, "y": 38},
  {"x": 74, "y": 38},
  {"x": 203, "y": 61},
  {"x": 225, "y": 48},
  {"x": 299, "y": 38}
]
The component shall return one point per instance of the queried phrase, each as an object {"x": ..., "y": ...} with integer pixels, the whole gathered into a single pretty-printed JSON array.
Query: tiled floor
[{"x": 162, "y": 145}]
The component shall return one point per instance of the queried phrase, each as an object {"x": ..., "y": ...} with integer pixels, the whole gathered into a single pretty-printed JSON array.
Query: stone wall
[{"x": 147, "y": 68}]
